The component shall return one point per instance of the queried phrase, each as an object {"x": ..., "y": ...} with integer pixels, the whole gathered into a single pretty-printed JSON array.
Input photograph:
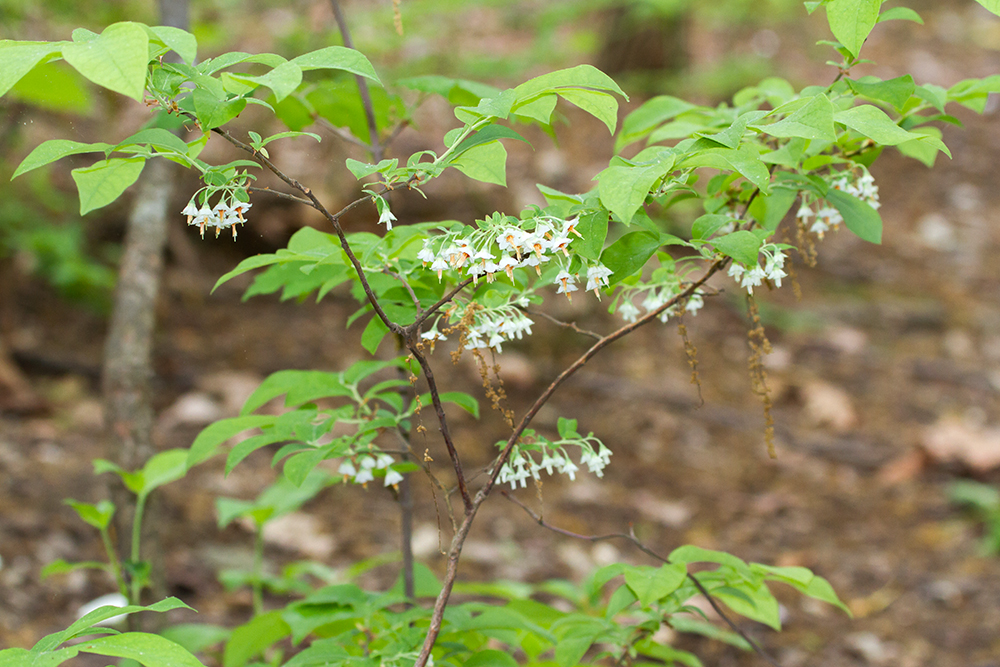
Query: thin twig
[
  {"x": 366, "y": 99},
  {"x": 442, "y": 420},
  {"x": 411, "y": 328},
  {"x": 281, "y": 195},
  {"x": 568, "y": 325},
  {"x": 340, "y": 132},
  {"x": 631, "y": 537},
  {"x": 406, "y": 285}
]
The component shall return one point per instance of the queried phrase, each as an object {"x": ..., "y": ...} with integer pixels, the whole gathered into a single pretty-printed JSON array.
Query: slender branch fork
[{"x": 631, "y": 537}]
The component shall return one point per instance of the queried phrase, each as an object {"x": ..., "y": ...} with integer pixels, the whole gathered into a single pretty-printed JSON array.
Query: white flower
[
  {"x": 628, "y": 311},
  {"x": 512, "y": 239},
  {"x": 694, "y": 303},
  {"x": 597, "y": 275},
  {"x": 549, "y": 460},
  {"x": 383, "y": 460},
  {"x": 568, "y": 468},
  {"x": 385, "y": 216},
  {"x": 433, "y": 334},
  {"x": 805, "y": 212},
  {"x": 347, "y": 469},
  {"x": 392, "y": 478},
  {"x": 567, "y": 283},
  {"x": 440, "y": 265},
  {"x": 735, "y": 271},
  {"x": 364, "y": 476},
  {"x": 426, "y": 255},
  {"x": 507, "y": 264},
  {"x": 753, "y": 278},
  {"x": 654, "y": 299}
]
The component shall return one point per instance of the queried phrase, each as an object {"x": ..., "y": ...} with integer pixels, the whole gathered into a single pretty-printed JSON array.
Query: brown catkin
[{"x": 759, "y": 346}]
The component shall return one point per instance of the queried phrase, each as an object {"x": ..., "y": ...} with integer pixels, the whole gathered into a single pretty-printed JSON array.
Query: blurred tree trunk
[{"x": 128, "y": 349}]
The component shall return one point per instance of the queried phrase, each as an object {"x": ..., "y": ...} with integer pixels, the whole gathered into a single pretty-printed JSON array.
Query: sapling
[{"x": 472, "y": 288}]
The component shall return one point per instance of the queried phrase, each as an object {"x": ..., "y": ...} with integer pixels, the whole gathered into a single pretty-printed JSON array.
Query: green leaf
[
  {"x": 654, "y": 583},
  {"x": 338, "y": 57},
  {"x": 163, "y": 468},
  {"x": 743, "y": 246},
  {"x": 82, "y": 626},
  {"x": 593, "y": 227},
  {"x": 754, "y": 602},
  {"x": 195, "y": 636},
  {"x": 248, "y": 264},
  {"x": 180, "y": 41},
  {"x": 638, "y": 124},
  {"x": 602, "y": 106},
  {"x": 373, "y": 334},
  {"x": 98, "y": 516},
  {"x": 851, "y": 21},
  {"x": 116, "y": 59},
  {"x": 18, "y": 58},
  {"x": 812, "y": 121},
  {"x": 859, "y": 217},
  {"x": 486, "y": 135},
  {"x": 692, "y": 554},
  {"x": 253, "y": 638},
  {"x": 921, "y": 150},
  {"x": 991, "y": 5},
  {"x": 147, "y": 649},
  {"x": 205, "y": 444},
  {"x": 282, "y": 80},
  {"x": 212, "y": 111},
  {"x": 733, "y": 135},
  {"x": 54, "y": 86},
  {"x": 158, "y": 138},
  {"x": 629, "y": 254},
  {"x": 746, "y": 161},
  {"x": 300, "y": 387},
  {"x": 623, "y": 189},
  {"x": 105, "y": 181},
  {"x": 60, "y": 566},
  {"x": 485, "y": 162},
  {"x": 490, "y": 658},
  {"x": 54, "y": 149},
  {"x": 459, "y": 398},
  {"x": 900, "y": 14},
  {"x": 872, "y": 122},
  {"x": 896, "y": 91},
  {"x": 769, "y": 210}
]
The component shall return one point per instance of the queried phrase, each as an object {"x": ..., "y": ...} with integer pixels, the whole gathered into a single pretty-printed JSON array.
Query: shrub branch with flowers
[{"x": 472, "y": 287}]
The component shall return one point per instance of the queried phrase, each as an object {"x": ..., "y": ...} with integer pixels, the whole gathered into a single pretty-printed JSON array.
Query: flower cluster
[
  {"x": 828, "y": 217},
  {"x": 656, "y": 295},
  {"x": 362, "y": 470},
  {"x": 500, "y": 246},
  {"x": 773, "y": 269},
  {"x": 521, "y": 465},
  {"x": 222, "y": 215}
]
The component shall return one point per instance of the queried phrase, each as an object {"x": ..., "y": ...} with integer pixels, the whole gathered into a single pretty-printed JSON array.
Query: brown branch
[
  {"x": 281, "y": 195},
  {"x": 631, "y": 537},
  {"x": 411, "y": 328},
  {"x": 425, "y": 366},
  {"x": 458, "y": 540},
  {"x": 332, "y": 218}
]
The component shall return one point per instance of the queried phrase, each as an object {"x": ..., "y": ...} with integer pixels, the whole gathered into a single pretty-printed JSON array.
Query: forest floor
[{"x": 885, "y": 378}]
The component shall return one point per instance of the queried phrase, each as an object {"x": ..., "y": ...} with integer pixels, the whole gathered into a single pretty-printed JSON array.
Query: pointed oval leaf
[
  {"x": 852, "y": 20},
  {"x": 338, "y": 57},
  {"x": 53, "y": 150},
  {"x": 180, "y": 42},
  {"x": 743, "y": 246},
  {"x": 859, "y": 217},
  {"x": 18, "y": 58},
  {"x": 105, "y": 181},
  {"x": 116, "y": 59},
  {"x": 204, "y": 446},
  {"x": 485, "y": 162},
  {"x": 145, "y": 648}
]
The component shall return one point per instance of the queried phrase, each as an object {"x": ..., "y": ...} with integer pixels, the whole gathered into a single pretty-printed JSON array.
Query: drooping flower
[
  {"x": 597, "y": 275},
  {"x": 567, "y": 283}
]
